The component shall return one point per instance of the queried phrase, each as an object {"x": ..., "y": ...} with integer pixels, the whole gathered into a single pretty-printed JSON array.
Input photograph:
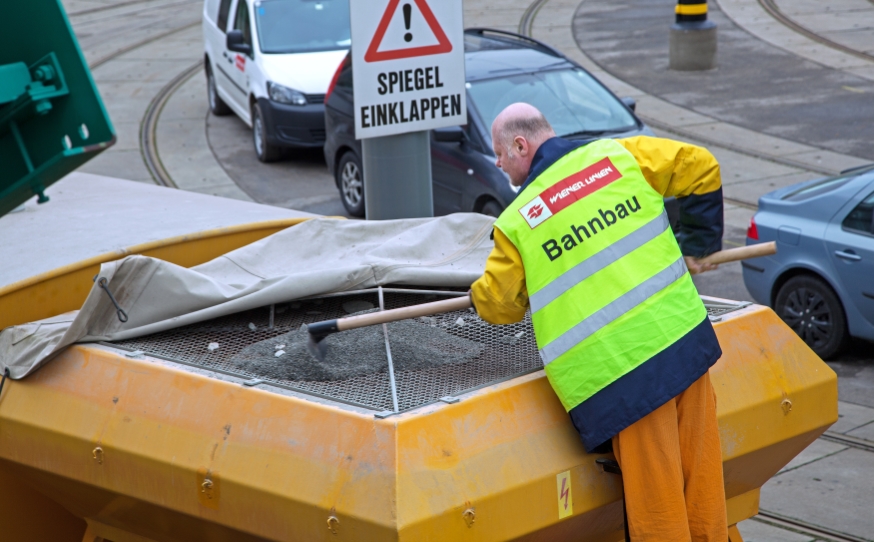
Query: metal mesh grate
[
  {"x": 509, "y": 350},
  {"x": 716, "y": 309}
]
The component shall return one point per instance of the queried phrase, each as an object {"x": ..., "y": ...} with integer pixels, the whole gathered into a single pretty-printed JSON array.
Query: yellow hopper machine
[{"x": 164, "y": 438}]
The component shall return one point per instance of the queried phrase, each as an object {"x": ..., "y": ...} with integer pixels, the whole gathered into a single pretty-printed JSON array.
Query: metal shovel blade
[
  {"x": 317, "y": 333},
  {"x": 317, "y": 347}
]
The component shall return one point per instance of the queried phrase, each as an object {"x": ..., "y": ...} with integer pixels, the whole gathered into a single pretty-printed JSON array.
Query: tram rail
[
  {"x": 149, "y": 126},
  {"x": 771, "y": 7}
]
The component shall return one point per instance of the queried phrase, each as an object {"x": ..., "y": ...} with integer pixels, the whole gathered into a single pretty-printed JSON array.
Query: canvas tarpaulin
[{"x": 316, "y": 257}]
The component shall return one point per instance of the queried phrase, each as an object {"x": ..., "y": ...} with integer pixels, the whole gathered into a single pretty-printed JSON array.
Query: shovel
[{"x": 319, "y": 330}]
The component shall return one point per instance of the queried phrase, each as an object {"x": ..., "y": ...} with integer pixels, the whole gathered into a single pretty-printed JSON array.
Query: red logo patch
[
  {"x": 535, "y": 211},
  {"x": 240, "y": 63},
  {"x": 579, "y": 185}
]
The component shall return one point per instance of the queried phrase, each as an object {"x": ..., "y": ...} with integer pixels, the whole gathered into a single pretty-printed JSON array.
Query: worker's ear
[{"x": 521, "y": 145}]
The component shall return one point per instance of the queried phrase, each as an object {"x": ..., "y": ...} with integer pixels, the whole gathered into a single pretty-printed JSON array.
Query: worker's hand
[{"x": 697, "y": 266}]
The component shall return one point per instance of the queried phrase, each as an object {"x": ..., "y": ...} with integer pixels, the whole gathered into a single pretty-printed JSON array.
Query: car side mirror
[
  {"x": 630, "y": 102},
  {"x": 449, "y": 134},
  {"x": 236, "y": 43}
]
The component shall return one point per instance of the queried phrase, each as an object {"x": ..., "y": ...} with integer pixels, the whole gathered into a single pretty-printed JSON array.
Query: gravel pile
[{"x": 415, "y": 344}]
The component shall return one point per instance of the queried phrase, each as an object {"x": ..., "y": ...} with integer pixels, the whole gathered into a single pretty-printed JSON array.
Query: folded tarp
[{"x": 316, "y": 257}]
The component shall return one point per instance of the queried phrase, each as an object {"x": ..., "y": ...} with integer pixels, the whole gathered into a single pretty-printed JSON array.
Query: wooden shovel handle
[
  {"x": 741, "y": 253},
  {"x": 403, "y": 313}
]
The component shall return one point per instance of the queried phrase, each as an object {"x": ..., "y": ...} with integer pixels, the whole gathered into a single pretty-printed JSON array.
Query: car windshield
[
  {"x": 302, "y": 26},
  {"x": 570, "y": 99}
]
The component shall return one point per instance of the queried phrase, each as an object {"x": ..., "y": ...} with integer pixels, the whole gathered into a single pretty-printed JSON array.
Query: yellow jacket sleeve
[
  {"x": 691, "y": 175},
  {"x": 674, "y": 168},
  {"x": 500, "y": 295}
]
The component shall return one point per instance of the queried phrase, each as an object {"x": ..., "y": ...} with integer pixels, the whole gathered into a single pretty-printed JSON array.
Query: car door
[
  {"x": 237, "y": 65},
  {"x": 453, "y": 167},
  {"x": 850, "y": 244},
  {"x": 214, "y": 28}
]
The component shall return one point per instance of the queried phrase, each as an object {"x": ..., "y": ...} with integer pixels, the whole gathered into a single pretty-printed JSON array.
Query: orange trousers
[{"x": 671, "y": 465}]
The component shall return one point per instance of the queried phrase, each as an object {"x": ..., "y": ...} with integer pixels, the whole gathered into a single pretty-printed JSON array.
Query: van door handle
[{"x": 848, "y": 255}]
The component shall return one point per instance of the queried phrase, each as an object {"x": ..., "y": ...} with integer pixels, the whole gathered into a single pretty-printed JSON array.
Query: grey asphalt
[
  {"x": 299, "y": 180},
  {"x": 755, "y": 85}
]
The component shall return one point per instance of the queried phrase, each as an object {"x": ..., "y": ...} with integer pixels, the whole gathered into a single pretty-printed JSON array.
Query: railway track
[
  {"x": 771, "y": 7},
  {"x": 527, "y": 21},
  {"x": 107, "y": 7},
  {"x": 136, "y": 45},
  {"x": 148, "y": 124},
  {"x": 802, "y": 527}
]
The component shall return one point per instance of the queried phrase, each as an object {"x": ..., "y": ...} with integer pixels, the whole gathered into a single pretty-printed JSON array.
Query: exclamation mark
[{"x": 408, "y": 11}]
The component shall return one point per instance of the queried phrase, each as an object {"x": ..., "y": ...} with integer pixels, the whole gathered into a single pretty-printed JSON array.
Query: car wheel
[
  {"x": 491, "y": 208},
  {"x": 350, "y": 181},
  {"x": 218, "y": 107},
  {"x": 265, "y": 151},
  {"x": 812, "y": 309}
]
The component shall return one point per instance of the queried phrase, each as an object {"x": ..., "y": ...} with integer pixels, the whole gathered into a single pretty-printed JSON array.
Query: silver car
[{"x": 821, "y": 281}]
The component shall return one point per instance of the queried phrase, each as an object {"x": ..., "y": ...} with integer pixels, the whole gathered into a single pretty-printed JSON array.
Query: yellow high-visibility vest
[{"x": 607, "y": 284}]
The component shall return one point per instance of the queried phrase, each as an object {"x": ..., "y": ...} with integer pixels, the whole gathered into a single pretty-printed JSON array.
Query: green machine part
[{"x": 52, "y": 119}]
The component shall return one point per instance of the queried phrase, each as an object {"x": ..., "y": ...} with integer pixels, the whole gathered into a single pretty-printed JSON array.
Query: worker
[{"x": 624, "y": 337}]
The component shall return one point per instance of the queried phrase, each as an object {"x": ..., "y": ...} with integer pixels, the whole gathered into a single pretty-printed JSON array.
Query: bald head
[
  {"x": 517, "y": 133},
  {"x": 521, "y": 119}
]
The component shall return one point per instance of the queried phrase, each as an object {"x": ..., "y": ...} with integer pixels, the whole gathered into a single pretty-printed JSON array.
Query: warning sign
[
  {"x": 408, "y": 65},
  {"x": 565, "y": 498},
  {"x": 443, "y": 45}
]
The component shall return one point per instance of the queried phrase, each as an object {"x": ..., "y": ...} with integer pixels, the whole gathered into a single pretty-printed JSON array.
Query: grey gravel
[
  {"x": 415, "y": 345},
  {"x": 357, "y": 305}
]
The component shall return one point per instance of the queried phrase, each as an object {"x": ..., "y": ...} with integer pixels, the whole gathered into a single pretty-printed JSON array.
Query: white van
[{"x": 270, "y": 62}]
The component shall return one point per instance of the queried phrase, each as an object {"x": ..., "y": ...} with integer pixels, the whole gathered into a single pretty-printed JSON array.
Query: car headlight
[{"x": 285, "y": 95}]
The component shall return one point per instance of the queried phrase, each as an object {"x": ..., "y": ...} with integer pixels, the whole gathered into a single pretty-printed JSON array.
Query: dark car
[
  {"x": 501, "y": 68},
  {"x": 821, "y": 281}
]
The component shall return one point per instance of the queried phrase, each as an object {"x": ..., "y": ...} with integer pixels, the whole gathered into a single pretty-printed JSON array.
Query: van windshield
[
  {"x": 302, "y": 26},
  {"x": 570, "y": 99}
]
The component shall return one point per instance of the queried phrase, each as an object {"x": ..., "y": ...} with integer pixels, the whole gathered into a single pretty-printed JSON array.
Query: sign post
[{"x": 408, "y": 78}]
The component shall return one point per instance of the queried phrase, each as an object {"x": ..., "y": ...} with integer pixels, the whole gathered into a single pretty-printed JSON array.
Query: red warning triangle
[{"x": 443, "y": 45}]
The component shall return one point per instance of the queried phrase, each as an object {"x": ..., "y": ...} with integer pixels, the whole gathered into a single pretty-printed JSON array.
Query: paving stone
[
  {"x": 865, "y": 432},
  {"x": 735, "y": 167},
  {"x": 755, "y": 531},
  {"x": 751, "y": 191},
  {"x": 842, "y": 480},
  {"x": 817, "y": 450},
  {"x": 126, "y": 164},
  {"x": 851, "y": 416}
]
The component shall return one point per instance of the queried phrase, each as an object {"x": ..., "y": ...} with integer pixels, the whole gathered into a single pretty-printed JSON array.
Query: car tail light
[
  {"x": 753, "y": 231},
  {"x": 334, "y": 79}
]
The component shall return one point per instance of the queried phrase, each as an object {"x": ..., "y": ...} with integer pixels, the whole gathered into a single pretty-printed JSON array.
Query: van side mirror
[
  {"x": 236, "y": 43},
  {"x": 449, "y": 134},
  {"x": 630, "y": 102}
]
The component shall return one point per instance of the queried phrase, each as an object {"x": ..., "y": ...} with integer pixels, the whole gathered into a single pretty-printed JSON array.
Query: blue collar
[{"x": 549, "y": 152}]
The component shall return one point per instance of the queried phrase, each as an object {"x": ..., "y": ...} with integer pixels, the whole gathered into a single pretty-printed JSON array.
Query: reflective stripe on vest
[{"x": 607, "y": 284}]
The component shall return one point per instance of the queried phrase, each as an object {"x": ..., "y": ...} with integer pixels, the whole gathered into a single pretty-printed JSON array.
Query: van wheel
[
  {"x": 218, "y": 107},
  {"x": 491, "y": 208},
  {"x": 350, "y": 181},
  {"x": 812, "y": 309},
  {"x": 265, "y": 151}
]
